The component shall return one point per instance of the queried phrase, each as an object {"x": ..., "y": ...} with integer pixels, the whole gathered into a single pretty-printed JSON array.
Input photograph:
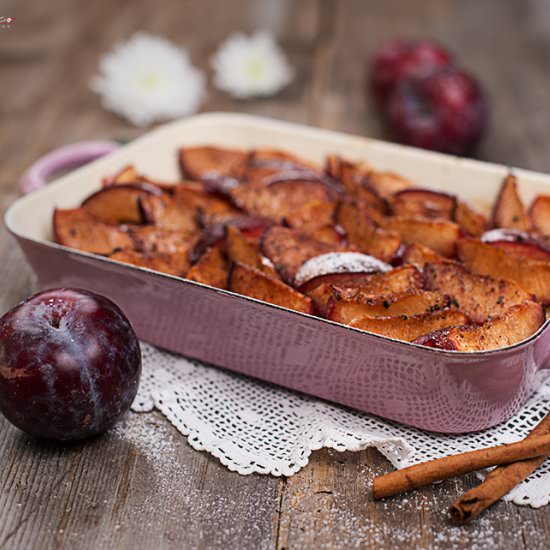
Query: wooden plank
[
  {"x": 141, "y": 485},
  {"x": 329, "y": 505}
]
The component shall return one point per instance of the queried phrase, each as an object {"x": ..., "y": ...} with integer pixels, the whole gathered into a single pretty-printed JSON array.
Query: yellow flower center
[
  {"x": 150, "y": 80},
  {"x": 255, "y": 68}
]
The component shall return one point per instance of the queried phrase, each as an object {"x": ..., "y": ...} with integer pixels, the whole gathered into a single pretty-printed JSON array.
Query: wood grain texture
[{"x": 142, "y": 486}]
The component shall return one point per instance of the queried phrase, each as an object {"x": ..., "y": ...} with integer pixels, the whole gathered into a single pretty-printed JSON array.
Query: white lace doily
[{"x": 251, "y": 426}]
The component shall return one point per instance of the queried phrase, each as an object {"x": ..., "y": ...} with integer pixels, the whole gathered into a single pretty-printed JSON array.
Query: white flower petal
[
  {"x": 147, "y": 79},
  {"x": 251, "y": 66}
]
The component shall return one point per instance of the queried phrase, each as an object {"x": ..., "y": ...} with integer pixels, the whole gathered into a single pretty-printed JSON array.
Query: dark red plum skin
[
  {"x": 438, "y": 339},
  {"x": 445, "y": 111},
  {"x": 70, "y": 364},
  {"x": 400, "y": 59}
]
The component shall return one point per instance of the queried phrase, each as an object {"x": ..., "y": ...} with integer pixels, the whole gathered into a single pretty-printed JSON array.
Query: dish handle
[{"x": 62, "y": 160}]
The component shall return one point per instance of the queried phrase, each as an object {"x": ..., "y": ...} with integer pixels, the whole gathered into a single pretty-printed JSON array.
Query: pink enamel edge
[{"x": 63, "y": 159}]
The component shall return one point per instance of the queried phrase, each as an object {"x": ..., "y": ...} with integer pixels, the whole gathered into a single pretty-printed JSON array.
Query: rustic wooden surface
[{"x": 142, "y": 486}]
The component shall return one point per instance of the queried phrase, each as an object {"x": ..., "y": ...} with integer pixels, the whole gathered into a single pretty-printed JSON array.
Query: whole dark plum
[
  {"x": 398, "y": 60},
  {"x": 444, "y": 111},
  {"x": 70, "y": 364}
]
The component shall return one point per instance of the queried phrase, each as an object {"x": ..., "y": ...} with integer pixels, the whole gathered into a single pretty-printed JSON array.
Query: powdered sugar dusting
[
  {"x": 339, "y": 262},
  {"x": 494, "y": 235},
  {"x": 151, "y": 437}
]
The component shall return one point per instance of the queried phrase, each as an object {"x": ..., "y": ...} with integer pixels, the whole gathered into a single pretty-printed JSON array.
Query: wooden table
[{"x": 142, "y": 485}]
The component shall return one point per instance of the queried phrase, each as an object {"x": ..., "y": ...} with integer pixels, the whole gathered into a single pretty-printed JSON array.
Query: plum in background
[
  {"x": 70, "y": 364},
  {"x": 445, "y": 111},
  {"x": 400, "y": 59},
  {"x": 428, "y": 101}
]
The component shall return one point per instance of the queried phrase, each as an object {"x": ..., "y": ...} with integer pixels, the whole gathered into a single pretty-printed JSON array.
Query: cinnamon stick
[
  {"x": 451, "y": 466},
  {"x": 499, "y": 482}
]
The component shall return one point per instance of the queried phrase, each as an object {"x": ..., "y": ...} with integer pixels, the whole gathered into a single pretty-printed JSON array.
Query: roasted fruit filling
[{"x": 345, "y": 242}]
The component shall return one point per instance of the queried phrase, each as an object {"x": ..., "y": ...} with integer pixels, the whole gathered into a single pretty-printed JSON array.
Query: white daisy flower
[
  {"x": 251, "y": 66},
  {"x": 148, "y": 79}
]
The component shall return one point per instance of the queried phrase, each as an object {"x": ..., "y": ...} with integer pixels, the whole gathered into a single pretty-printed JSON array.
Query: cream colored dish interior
[{"x": 154, "y": 154}]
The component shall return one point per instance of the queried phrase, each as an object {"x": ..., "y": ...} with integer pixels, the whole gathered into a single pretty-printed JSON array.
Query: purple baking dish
[{"x": 431, "y": 389}]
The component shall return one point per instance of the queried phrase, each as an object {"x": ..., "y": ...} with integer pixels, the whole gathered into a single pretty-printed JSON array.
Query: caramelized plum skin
[
  {"x": 70, "y": 364},
  {"x": 436, "y": 339}
]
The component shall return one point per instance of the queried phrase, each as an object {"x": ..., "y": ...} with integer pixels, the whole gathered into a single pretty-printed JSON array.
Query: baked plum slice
[
  {"x": 518, "y": 243},
  {"x": 282, "y": 199},
  {"x": 479, "y": 296},
  {"x": 338, "y": 262},
  {"x": 211, "y": 269},
  {"x": 424, "y": 203},
  {"x": 174, "y": 263},
  {"x": 288, "y": 249},
  {"x": 345, "y": 307},
  {"x": 539, "y": 214},
  {"x": 386, "y": 184},
  {"x": 409, "y": 328},
  {"x": 264, "y": 163},
  {"x": 469, "y": 220},
  {"x": 77, "y": 228},
  {"x": 508, "y": 210},
  {"x": 355, "y": 217},
  {"x": 416, "y": 254},
  {"x": 400, "y": 279},
  {"x": 532, "y": 276},
  {"x": 240, "y": 249},
  {"x": 120, "y": 204},
  {"x": 214, "y": 234},
  {"x": 513, "y": 326},
  {"x": 438, "y": 234},
  {"x": 252, "y": 282},
  {"x": 211, "y": 163},
  {"x": 168, "y": 213},
  {"x": 362, "y": 286}
]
